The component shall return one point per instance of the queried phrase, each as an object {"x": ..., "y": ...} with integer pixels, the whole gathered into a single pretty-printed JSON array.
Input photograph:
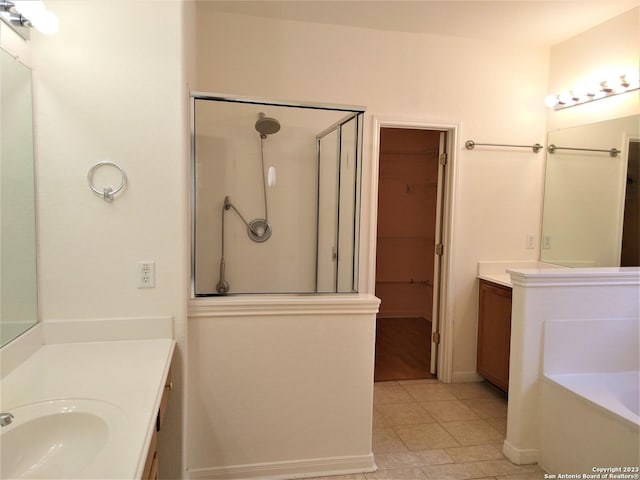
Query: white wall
[
  {"x": 555, "y": 294},
  {"x": 280, "y": 386},
  {"x": 494, "y": 91},
  {"x": 110, "y": 85}
]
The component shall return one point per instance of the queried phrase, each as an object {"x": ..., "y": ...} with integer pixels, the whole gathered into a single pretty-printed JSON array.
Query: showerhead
[{"x": 266, "y": 125}]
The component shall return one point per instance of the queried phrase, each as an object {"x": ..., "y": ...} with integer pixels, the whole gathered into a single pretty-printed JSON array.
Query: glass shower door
[{"x": 338, "y": 197}]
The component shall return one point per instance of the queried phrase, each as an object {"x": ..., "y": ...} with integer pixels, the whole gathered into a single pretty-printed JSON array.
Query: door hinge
[
  {"x": 439, "y": 249},
  {"x": 443, "y": 158},
  {"x": 435, "y": 337}
]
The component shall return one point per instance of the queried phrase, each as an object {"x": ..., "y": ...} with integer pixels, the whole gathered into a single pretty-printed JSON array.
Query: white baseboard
[
  {"x": 520, "y": 456},
  {"x": 465, "y": 377},
  {"x": 315, "y": 467}
]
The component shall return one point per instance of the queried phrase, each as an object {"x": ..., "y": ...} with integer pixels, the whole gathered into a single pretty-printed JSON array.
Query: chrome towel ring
[{"x": 107, "y": 193}]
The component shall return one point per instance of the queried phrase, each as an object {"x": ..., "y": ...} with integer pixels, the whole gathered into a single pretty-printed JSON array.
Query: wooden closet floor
[{"x": 403, "y": 349}]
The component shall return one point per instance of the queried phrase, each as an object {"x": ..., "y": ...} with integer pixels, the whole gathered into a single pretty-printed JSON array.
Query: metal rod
[
  {"x": 470, "y": 144},
  {"x": 222, "y": 287},
  {"x": 264, "y": 179},
  {"x": 613, "y": 152},
  {"x": 277, "y": 103},
  {"x": 337, "y": 124}
]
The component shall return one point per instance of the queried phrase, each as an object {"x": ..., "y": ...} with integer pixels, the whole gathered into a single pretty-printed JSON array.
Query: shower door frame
[
  {"x": 337, "y": 127},
  {"x": 222, "y": 97}
]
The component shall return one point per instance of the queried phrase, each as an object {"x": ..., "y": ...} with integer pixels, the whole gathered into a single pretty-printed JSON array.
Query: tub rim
[{"x": 623, "y": 413}]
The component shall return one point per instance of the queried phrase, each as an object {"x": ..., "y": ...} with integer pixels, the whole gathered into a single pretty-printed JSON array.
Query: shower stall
[{"x": 275, "y": 196}]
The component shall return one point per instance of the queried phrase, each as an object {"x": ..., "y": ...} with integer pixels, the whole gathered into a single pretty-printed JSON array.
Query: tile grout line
[{"x": 481, "y": 393}]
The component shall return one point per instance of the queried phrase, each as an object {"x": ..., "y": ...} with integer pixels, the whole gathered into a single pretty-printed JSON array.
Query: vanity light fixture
[
  {"x": 586, "y": 92},
  {"x": 21, "y": 14}
]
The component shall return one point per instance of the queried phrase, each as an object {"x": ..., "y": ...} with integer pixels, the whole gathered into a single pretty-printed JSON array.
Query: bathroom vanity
[
  {"x": 150, "y": 471},
  {"x": 494, "y": 318},
  {"x": 100, "y": 403},
  {"x": 494, "y": 333}
]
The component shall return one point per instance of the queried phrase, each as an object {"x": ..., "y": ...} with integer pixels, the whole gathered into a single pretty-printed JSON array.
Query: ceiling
[{"x": 536, "y": 22}]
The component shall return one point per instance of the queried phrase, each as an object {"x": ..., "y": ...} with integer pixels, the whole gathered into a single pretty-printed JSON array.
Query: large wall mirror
[
  {"x": 18, "y": 284},
  {"x": 591, "y": 198}
]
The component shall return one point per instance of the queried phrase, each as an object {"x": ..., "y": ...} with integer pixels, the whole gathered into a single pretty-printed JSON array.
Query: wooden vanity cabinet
[
  {"x": 150, "y": 471},
  {"x": 494, "y": 333}
]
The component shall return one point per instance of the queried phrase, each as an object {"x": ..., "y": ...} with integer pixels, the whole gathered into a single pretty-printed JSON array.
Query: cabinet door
[{"x": 494, "y": 333}]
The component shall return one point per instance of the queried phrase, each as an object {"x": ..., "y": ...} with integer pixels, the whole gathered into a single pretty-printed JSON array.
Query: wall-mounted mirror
[
  {"x": 18, "y": 284},
  {"x": 591, "y": 197}
]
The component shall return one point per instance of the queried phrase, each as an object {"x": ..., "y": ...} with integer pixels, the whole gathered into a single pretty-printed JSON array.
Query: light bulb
[
  {"x": 632, "y": 77},
  {"x": 601, "y": 92},
  {"x": 46, "y": 23},
  {"x": 551, "y": 101},
  {"x": 592, "y": 88},
  {"x": 29, "y": 8},
  {"x": 584, "y": 92},
  {"x": 611, "y": 84},
  {"x": 37, "y": 15},
  {"x": 566, "y": 98},
  {"x": 621, "y": 87}
]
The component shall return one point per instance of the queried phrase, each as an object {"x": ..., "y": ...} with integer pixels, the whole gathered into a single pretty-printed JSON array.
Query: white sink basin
[{"x": 68, "y": 438}]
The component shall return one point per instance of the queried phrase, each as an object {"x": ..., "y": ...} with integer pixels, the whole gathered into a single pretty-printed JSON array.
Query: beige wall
[
  {"x": 492, "y": 90},
  {"x": 110, "y": 85}
]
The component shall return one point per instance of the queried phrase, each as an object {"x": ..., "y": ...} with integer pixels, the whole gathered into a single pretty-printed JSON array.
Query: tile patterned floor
[{"x": 426, "y": 430}]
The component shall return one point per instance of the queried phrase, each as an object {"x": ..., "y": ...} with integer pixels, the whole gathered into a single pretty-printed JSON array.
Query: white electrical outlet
[
  {"x": 146, "y": 274},
  {"x": 546, "y": 242},
  {"x": 531, "y": 241}
]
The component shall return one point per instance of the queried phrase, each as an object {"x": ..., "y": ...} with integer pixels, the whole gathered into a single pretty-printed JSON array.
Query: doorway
[
  {"x": 630, "y": 256},
  {"x": 409, "y": 249}
]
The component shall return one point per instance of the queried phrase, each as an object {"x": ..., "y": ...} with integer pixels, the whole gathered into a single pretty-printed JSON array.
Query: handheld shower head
[
  {"x": 222, "y": 287},
  {"x": 266, "y": 125}
]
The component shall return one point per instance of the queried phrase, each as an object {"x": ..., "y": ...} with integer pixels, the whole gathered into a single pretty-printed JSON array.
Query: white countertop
[
  {"x": 503, "y": 279},
  {"x": 129, "y": 374},
  {"x": 499, "y": 271}
]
